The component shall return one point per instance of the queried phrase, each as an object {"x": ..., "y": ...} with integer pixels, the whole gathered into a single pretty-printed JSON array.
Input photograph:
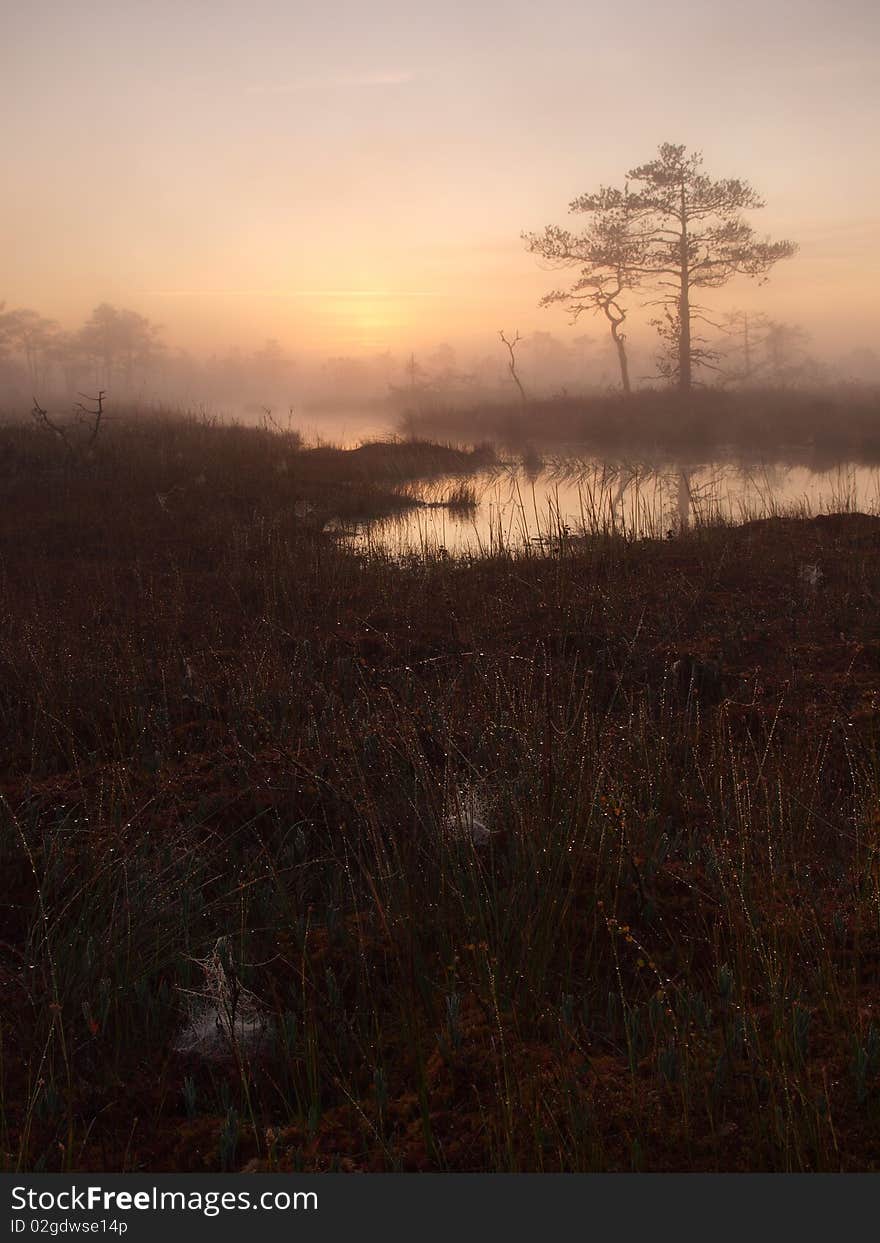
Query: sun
[{"x": 367, "y": 320}]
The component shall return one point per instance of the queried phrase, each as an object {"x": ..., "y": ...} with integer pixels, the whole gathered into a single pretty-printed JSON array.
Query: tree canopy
[{"x": 670, "y": 231}]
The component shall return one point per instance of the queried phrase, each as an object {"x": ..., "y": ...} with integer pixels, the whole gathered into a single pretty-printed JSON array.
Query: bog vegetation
[
  {"x": 557, "y": 860},
  {"x": 820, "y": 425}
]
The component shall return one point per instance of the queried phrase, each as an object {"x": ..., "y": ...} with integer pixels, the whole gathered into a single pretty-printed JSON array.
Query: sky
[{"x": 355, "y": 176}]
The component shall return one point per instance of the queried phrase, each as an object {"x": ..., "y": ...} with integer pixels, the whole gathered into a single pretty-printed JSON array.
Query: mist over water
[{"x": 346, "y": 427}]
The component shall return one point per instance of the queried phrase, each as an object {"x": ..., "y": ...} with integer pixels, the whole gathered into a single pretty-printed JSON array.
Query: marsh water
[
  {"x": 540, "y": 495},
  {"x": 534, "y": 503}
]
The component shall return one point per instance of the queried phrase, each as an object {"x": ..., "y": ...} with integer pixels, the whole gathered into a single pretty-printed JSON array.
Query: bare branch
[
  {"x": 41, "y": 417},
  {"x": 91, "y": 417},
  {"x": 511, "y": 366}
]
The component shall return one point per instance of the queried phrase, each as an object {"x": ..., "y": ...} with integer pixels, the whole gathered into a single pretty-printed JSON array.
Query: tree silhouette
[
  {"x": 118, "y": 343},
  {"x": 741, "y": 352},
  {"x": 511, "y": 343},
  {"x": 670, "y": 231},
  {"x": 760, "y": 350},
  {"x": 35, "y": 337},
  {"x": 609, "y": 253},
  {"x": 692, "y": 236}
]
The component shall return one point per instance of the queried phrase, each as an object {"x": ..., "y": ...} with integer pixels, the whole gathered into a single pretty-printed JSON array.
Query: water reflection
[{"x": 541, "y": 502}]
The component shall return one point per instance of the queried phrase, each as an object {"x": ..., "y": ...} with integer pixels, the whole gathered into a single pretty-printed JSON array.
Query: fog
[
  {"x": 349, "y": 395},
  {"x": 331, "y": 219}
]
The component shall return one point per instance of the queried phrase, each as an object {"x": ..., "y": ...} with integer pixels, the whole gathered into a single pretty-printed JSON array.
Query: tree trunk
[
  {"x": 684, "y": 338},
  {"x": 684, "y": 305},
  {"x": 511, "y": 366},
  {"x": 620, "y": 343}
]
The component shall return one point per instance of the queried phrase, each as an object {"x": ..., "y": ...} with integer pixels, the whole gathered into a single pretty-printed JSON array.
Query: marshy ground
[
  {"x": 816, "y": 427},
  {"x": 247, "y": 920}
]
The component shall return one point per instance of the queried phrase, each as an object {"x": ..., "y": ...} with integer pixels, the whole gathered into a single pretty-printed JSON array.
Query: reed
[{"x": 228, "y": 738}]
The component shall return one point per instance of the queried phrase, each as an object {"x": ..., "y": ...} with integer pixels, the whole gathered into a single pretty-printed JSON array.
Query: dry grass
[{"x": 228, "y": 741}]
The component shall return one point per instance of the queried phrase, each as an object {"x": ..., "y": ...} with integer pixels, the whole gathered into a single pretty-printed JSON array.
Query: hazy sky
[{"x": 352, "y": 176}]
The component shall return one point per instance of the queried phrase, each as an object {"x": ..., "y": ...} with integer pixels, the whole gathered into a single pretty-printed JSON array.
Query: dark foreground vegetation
[
  {"x": 818, "y": 427},
  {"x": 537, "y": 862}
]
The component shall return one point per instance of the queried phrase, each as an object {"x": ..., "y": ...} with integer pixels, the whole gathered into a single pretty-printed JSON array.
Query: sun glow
[
  {"x": 366, "y": 320},
  {"x": 373, "y": 319},
  {"x": 341, "y": 191}
]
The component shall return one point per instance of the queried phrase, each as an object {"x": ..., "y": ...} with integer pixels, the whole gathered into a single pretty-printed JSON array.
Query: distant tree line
[
  {"x": 122, "y": 352},
  {"x": 114, "y": 348}
]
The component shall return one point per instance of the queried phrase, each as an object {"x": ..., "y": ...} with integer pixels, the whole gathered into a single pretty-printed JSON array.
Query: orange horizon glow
[{"x": 354, "y": 182}]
